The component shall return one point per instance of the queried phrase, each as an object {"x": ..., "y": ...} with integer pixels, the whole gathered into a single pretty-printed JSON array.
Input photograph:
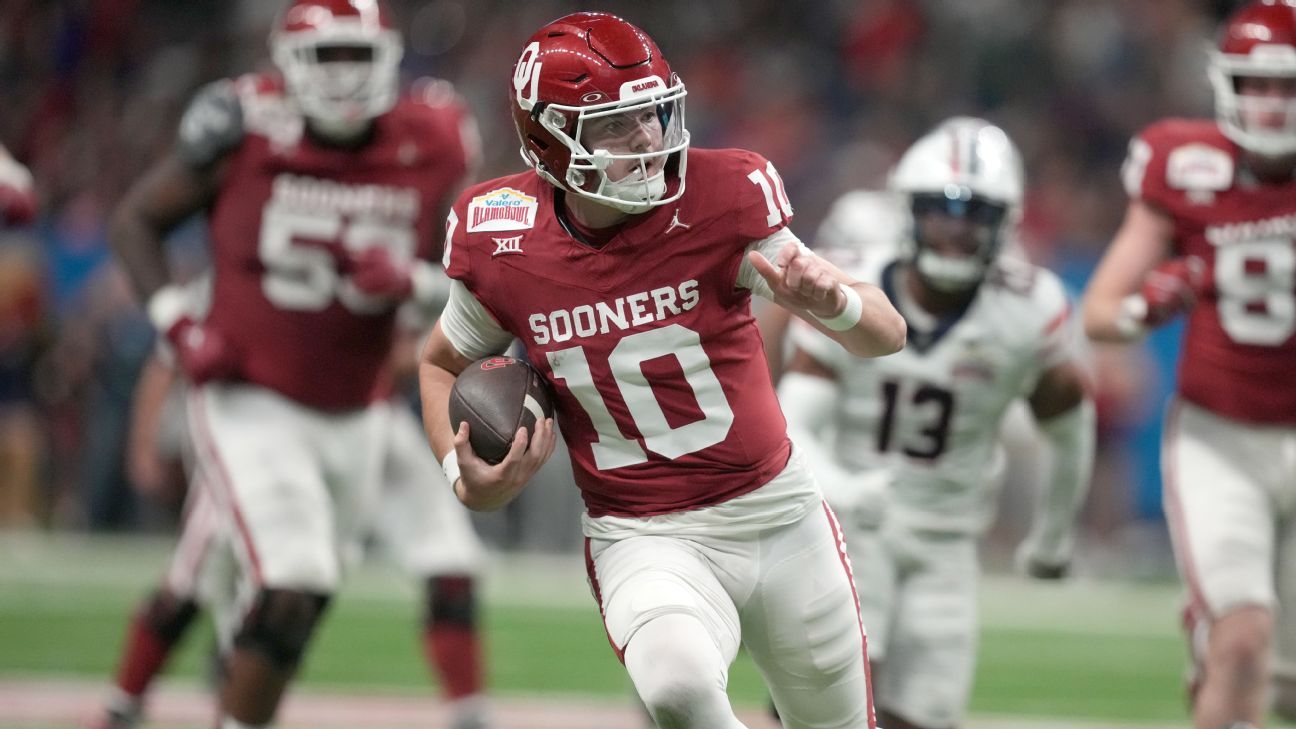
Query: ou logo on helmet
[{"x": 527, "y": 73}]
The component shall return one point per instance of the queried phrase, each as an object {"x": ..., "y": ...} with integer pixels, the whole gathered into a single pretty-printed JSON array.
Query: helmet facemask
[
  {"x": 1249, "y": 120},
  {"x": 587, "y": 172},
  {"x": 956, "y": 237},
  {"x": 340, "y": 78}
]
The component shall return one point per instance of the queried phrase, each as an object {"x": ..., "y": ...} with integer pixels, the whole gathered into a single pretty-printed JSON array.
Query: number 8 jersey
[
  {"x": 664, "y": 398},
  {"x": 1239, "y": 352},
  {"x": 289, "y": 213}
]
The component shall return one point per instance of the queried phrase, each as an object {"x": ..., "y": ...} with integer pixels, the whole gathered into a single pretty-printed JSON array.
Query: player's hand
[
  {"x": 799, "y": 277},
  {"x": 377, "y": 272},
  {"x": 1039, "y": 562},
  {"x": 1170, "y": 289},
  {"x": 486, "y": 487},
  {"x": 202, "y": 353}
]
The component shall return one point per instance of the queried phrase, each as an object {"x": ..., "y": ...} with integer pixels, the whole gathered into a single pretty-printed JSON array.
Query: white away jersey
[{"x": 930, "y": 413}]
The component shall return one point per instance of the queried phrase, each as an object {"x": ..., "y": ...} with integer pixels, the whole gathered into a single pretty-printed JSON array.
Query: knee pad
[
  {"x": 169, "y": 615},
  {"x": 451, "y": 600},
  {"x": 280, "y": 624},
  {"x": 679, "y": 674}
]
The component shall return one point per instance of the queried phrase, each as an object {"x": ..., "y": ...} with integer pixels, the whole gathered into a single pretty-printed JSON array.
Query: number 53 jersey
[
  {"x": 930, "y": 413},
  {"x": 289, "y": 215},
  {"x": 663, "y": 395}
]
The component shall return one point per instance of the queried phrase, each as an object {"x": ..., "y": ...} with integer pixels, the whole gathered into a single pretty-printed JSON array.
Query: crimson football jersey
[
  {"x": 1239, "y": 355},
  {"x": 287, "y": 213},
  {"x": 663, "y": 394}
]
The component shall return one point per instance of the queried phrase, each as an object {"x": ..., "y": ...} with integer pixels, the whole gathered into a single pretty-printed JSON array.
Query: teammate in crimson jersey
[
  {"x": 418, "y": 524},
  {"x": 323, "y": 186},
  {"x": 625, "y": 263},
  {"x": 1209, "y": 233}
]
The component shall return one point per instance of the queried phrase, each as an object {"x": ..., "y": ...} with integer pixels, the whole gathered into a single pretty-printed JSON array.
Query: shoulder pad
[
  {"x": 763, "y": 204},
  {"x": 1175, "y": 157},
  {"x": 211, "y": 126}
]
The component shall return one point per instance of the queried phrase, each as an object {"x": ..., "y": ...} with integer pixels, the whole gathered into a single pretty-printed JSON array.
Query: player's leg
[
  {"x": 1284, "y": 673},
  {"x": 1218, "y": 505},
  {"x": 423, "y": 525},
  {"x": 926, "y": 681},
  {"x": 162, "y": 618},
  {"x": 155, "y": 628},
  {"x": 802, "y": 626},
  {"x": 259, "y": 456},
  {"x": 877, "y": 580},
  {"x": 673, "y": 625}
]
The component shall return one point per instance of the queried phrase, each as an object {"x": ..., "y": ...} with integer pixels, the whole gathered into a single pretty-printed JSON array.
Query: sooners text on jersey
[
  {"x": 287, "y": 213},
  {"x": 1239, "y": 351},
  {"x": 664, "y": 397}
]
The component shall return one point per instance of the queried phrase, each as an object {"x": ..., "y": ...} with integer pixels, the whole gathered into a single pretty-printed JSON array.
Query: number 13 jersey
[
  {"x": 930, "y": 413},
  {"x": 664, "y": 398}
]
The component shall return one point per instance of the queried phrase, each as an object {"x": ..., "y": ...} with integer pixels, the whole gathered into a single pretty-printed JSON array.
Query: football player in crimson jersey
[
  {"x": 907, "y": 447},
  {"x": 322, "y": 185},
  {"x": 1210, "y": 232},
  {"x": 419, "y": 525},
  {"x": 625, "y": 262}
]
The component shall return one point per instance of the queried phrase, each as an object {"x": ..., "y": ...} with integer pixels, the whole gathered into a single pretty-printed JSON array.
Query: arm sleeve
[
  {"x": 1071, "y": 438},
  {"x": 769, "y": 246},
  {"x": 472, "y": 331}
]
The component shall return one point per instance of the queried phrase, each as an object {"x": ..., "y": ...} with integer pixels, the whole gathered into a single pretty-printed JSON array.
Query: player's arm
[
  {"x": 180, "y": 184},
  {"x": 808, "y": 394},
  {"x": 856, "y": 315},
  {"x": 464, "y": 333},
  {"x": 1142, "y": 242},
  {"x": 144, "y": 464},
  {"x": 1065, "y": 417}
]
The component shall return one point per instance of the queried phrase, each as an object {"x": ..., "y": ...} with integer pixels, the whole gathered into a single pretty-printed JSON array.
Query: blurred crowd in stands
[{"x": 830, "y": 90}]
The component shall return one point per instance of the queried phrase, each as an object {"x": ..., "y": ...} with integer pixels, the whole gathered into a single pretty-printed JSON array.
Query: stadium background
[{"x": 832, "y": 91}]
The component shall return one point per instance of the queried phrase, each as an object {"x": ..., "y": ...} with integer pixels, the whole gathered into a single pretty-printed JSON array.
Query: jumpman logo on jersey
[{"x": 675, "y": 223}]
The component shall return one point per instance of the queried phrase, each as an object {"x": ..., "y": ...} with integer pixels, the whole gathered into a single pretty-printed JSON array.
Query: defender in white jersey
[{"x": 905, "y": 446}]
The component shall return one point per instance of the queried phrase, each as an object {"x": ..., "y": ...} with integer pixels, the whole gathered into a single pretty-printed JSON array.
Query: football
[{"x": 496, "y": 396}]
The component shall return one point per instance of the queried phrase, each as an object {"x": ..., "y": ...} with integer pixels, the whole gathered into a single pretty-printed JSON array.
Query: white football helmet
[
  {"x": 962, "y": 181},
  {"x": 339, "y": 92}
]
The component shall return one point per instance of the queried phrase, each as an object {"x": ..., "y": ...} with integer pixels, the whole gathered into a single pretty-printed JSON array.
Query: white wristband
[
  {"x": 850, "y": 314},
  {"x": 1130, "y": 316},
  {"x": 166, "y": 306},
  {"x": 450, "y": 465}
]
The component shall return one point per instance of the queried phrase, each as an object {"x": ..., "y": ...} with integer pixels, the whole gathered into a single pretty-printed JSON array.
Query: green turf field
[{"x": 1083, "y": 650}]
